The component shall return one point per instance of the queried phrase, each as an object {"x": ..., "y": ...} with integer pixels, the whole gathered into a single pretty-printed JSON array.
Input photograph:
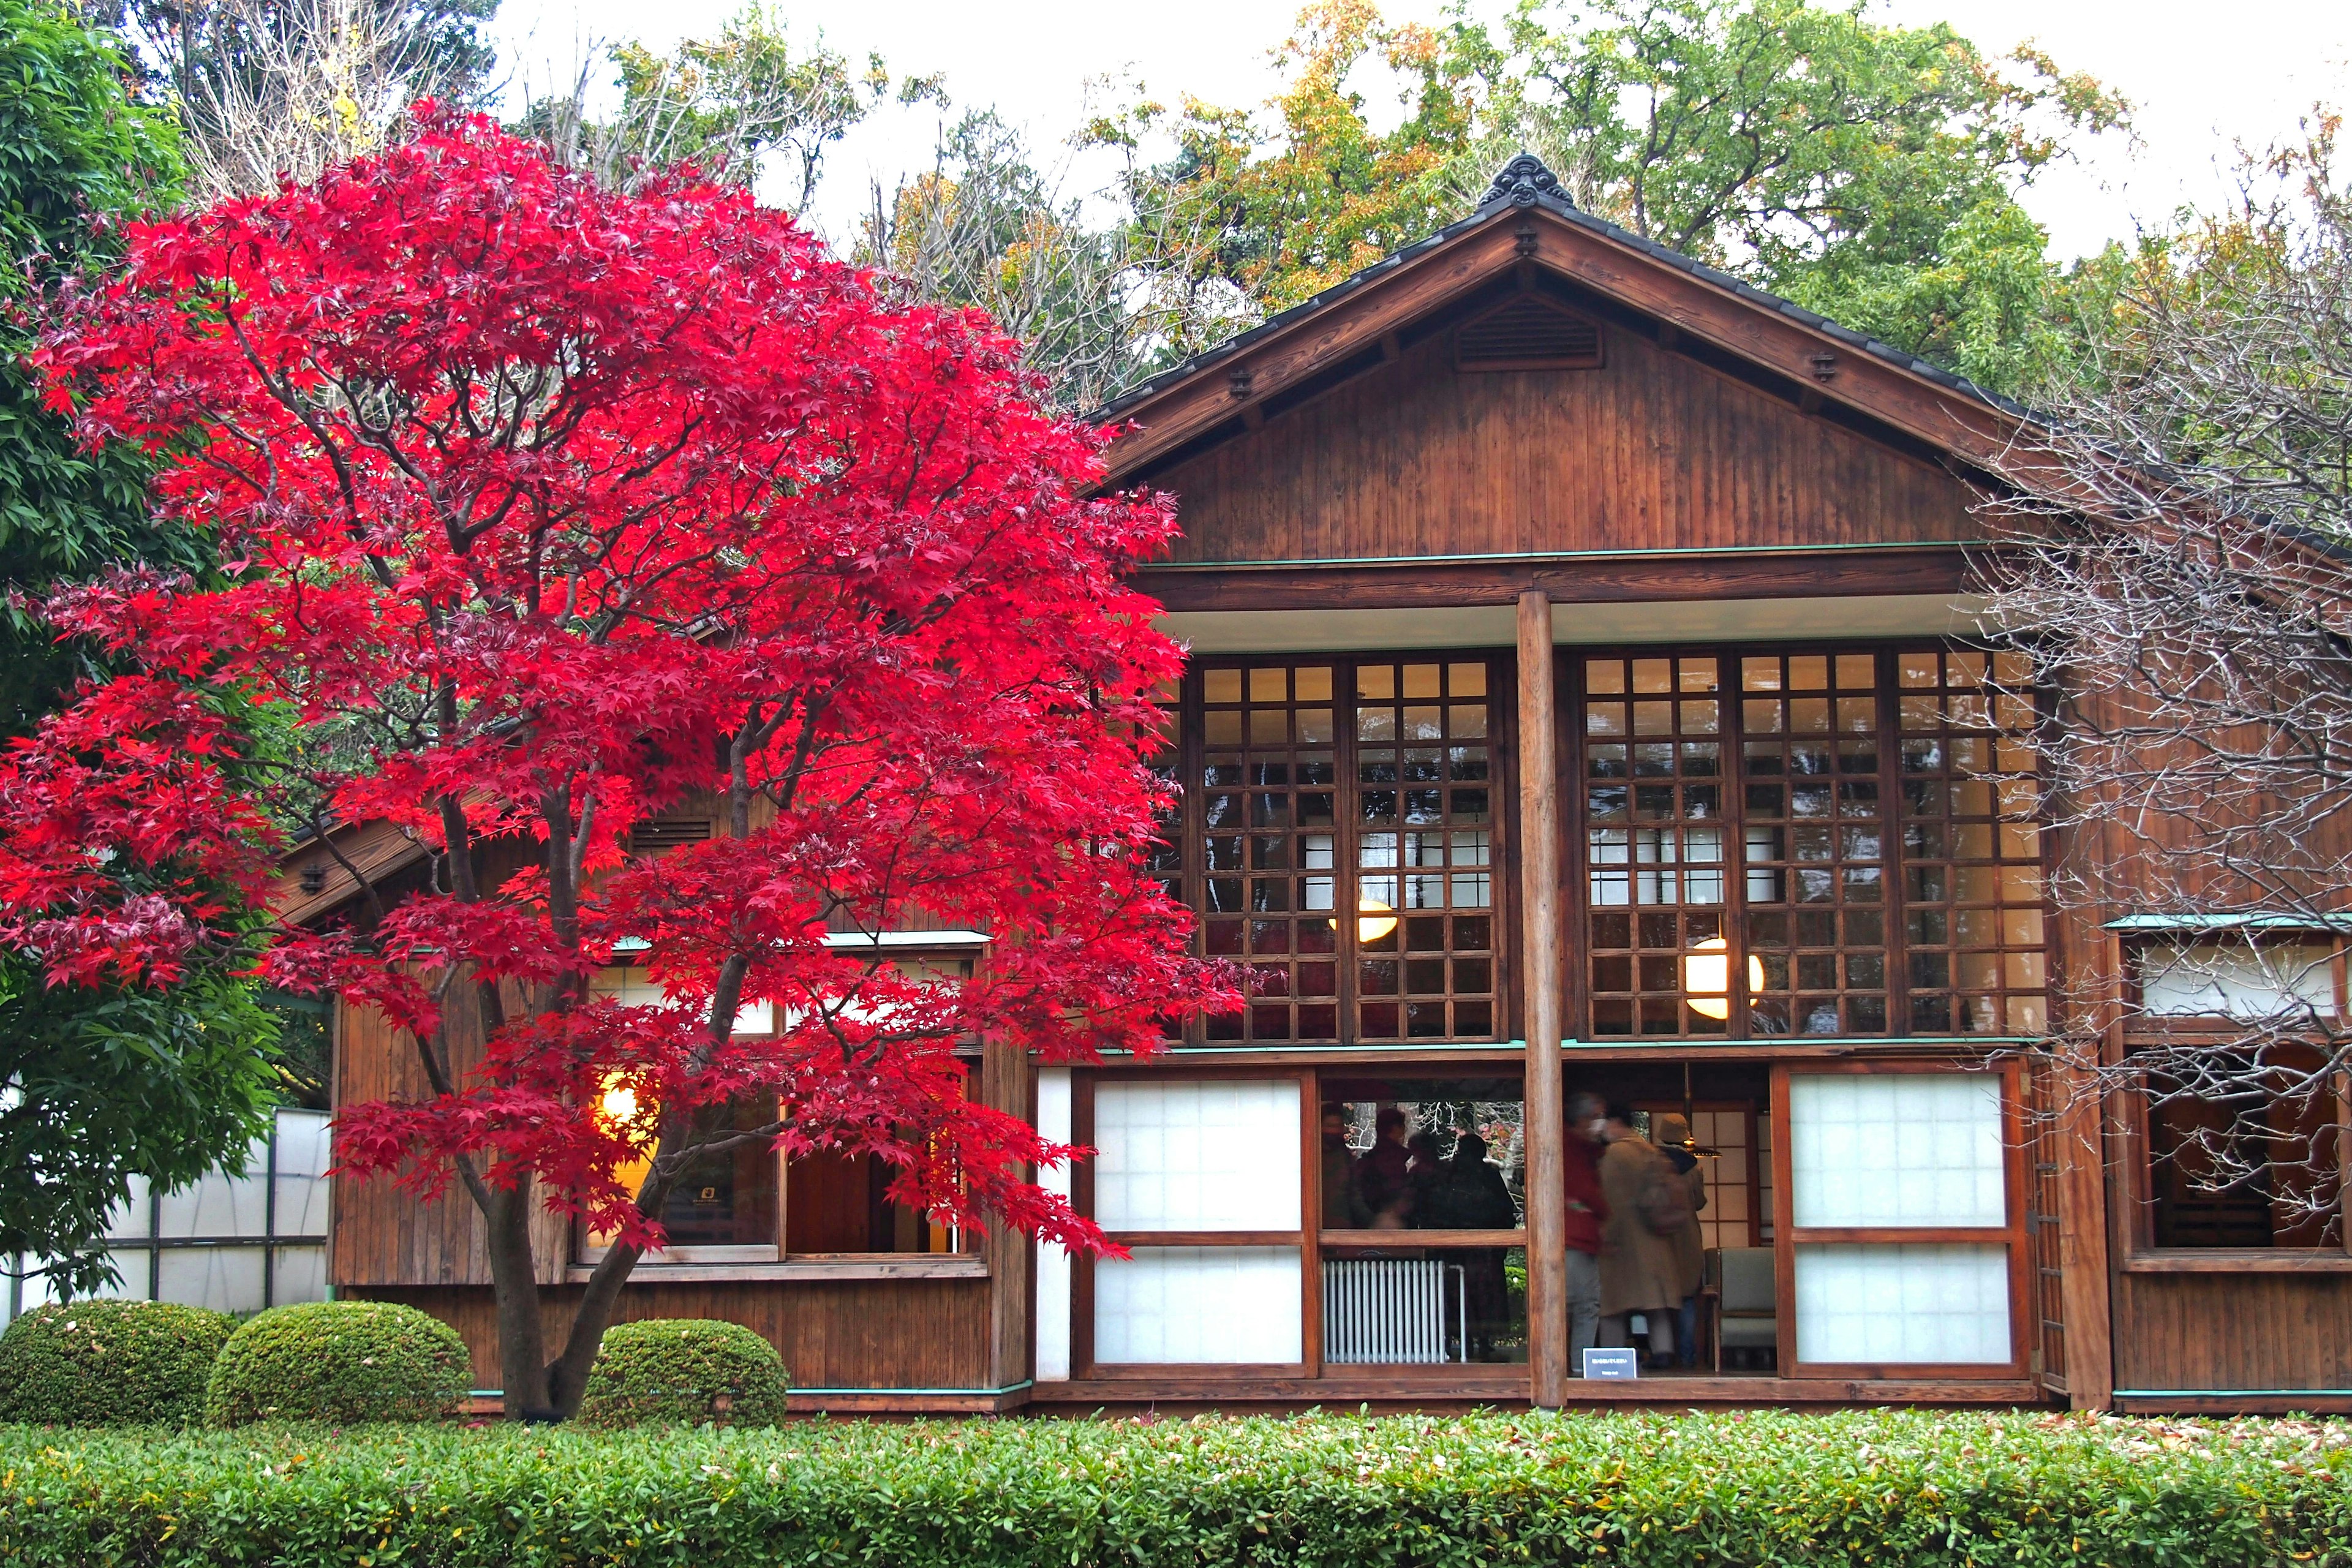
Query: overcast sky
[{"x": 2203, "y": 76}]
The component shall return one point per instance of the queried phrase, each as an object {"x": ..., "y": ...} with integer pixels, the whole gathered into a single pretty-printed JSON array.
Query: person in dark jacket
[
  {"x": 1384, "y": 1176},
  {"x": 1471, "y": 1194},
  {"x": 1341, "y": 1209}
]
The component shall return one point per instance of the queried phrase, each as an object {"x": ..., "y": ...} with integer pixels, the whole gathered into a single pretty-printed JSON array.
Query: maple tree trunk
[{"x": 514, "y": 1279}]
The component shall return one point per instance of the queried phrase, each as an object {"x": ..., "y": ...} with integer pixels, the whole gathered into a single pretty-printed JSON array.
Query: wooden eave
[
  {"x": 1694, "y": 310},
  {"x": 377, "y": 848}
]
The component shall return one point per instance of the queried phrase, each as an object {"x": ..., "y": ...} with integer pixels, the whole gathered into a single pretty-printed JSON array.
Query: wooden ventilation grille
[
  {"x": 668, "y": 833},
  {"x": 1528, "y": 335}
]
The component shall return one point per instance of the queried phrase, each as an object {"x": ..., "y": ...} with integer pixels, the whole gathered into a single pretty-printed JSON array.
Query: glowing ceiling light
[
  {"x": 1706, "y": 978},
  {"x": 1375, "y": 920}
]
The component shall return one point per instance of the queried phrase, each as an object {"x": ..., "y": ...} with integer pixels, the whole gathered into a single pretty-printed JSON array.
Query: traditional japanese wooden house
[{"x": 1585, "y": 696}]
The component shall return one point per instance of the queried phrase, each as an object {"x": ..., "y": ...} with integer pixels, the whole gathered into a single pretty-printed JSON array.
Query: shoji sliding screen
[
  {"x": 1200, "y": 1180},
  {"x": 1901, "y": 1196}
]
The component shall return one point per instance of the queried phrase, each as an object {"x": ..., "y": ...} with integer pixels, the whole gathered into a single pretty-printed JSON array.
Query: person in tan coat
[
  {"x": 1640, "y": 1249},
  {"x": 1672, "y": 1134}
]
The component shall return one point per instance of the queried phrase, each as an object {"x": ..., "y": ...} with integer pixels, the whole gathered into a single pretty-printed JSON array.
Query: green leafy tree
[
  {"x": 1871, "y": 172},
  {"x": 95, "y": 1086},
  {"x": 1868, "y": 171},
  {"x": 984, "y": 226}
]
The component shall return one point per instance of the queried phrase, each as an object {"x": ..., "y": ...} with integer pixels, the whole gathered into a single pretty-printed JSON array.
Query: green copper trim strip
[
  {"x": 2233, "y": 1393},
  {"x": 1008, "y": 1388},
  {"x": 2232, "y": 922}
]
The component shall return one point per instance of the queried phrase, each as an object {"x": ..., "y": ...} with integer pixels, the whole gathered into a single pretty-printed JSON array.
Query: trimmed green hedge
[
  {"x": 109, "y": 1364},
  {"x": 339, "y": 1361},
  {"x": 686, "y": 1371},
  {"x": 1910, "y": 1488}
]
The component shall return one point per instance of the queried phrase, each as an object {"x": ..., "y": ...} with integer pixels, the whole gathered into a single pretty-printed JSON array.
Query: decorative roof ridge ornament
[{"x": 1524, "y": 182}]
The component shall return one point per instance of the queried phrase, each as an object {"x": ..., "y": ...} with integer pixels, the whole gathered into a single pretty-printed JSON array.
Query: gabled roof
[{"x": 1526, "y": 208}]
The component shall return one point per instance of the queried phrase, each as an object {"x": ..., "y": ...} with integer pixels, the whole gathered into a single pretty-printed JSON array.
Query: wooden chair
[{"x": 1740, "y": 1283}]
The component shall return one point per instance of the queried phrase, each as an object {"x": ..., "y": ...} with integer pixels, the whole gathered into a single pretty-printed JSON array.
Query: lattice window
[
  {"x": 1812, "y": 844},
  {"x": 1655, "y": 843},
  {"x": 1364, "y": 785},
  {"x": 1269, "y": 840},
  {"x": 1829, "y": 843},
  {"x": 1972, "y": 848},
  {"x": 1424, "y": 853}
]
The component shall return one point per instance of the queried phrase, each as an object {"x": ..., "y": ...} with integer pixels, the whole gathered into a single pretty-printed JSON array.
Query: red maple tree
[{"x": 551, "y": 507}]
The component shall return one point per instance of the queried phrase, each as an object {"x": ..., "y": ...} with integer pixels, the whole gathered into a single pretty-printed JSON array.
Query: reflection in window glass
[
  {"x": 1424, "y": 853},
  {"x": 1422, "y": 1156},
  {"x": 1971, "y": 845},
  {"x": 2235, "y": 978},
  {"x": 2255, "y": 1169},
  {"x": 1654, "y": 846},
  {"x": 1813, "y": 842}
]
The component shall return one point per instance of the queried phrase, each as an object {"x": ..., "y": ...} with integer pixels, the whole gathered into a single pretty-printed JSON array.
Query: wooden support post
[{"x": 1547, "y": 1126}]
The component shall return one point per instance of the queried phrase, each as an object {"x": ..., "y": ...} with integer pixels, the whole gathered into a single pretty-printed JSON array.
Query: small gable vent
[
  {"x": 1528, "y": 333},
  {"x": 667, "y": 832}
]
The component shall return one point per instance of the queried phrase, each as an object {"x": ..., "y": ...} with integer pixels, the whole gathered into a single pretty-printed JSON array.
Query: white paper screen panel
[
  {"x": 1899, "y": 1149},
  {"x": 1898, "y": 1305},
  {"x": 1199, "y": 1305},
  {"x": 1197, "y": 1156},
  {"x": 2237, "y": 980}
]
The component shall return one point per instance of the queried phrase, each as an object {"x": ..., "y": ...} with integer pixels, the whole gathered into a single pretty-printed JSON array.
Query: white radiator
[{"x": 1391, "y": 1310}]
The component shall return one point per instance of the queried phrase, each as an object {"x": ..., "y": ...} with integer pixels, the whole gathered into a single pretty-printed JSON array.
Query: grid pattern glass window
[
  {"x": 1341, "y": 846},
  {"x": 1812, "y": 843},
  {"x": 1198, "y": 1305},
  {"x": 1907, "y": 1304},
  {"x": 232, "y": 1242},
  {"x": 1913, "y": 1150},
  {"x": 1655, "y": 842},
  {"x": 1197, "y": 1156},
  {"x": 1728, "y": 1219},
  {"x": 1884, "y": 1168},
  {"x": 1832, "y": 843},
  {"x": 1424, "y": 853},
  {"x": 1972, "y": 848},
  {"x": 1269, "y": 815}
]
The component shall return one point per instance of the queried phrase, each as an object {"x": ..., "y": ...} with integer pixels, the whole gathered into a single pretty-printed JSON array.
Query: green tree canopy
[
  {"x": 96, "y": 1085},
  {"x": 1868, "y": 171}
]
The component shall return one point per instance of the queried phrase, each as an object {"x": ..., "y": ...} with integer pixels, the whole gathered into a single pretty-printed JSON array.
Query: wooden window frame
[
  {"x": 2013, "y": 1235},
  {"x": 1349, "y": 830},
  {"x": 755, "y": 1261},
  {"x": 1310, "y": 1238},
  {"x": 1896, "y": 861},
  {"x": 2135, "y": 1220}
]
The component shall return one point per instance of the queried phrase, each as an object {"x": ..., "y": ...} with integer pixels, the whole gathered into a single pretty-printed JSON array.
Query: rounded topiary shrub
[
  {"x": 339, "y": 1361},
  {"x": 105, "y": 1363},
  {"x": 686, "y": 1370}
]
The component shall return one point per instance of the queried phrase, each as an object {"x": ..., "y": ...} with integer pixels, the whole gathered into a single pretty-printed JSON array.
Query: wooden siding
[
  {"x": 381, "y": 1235},
  {"x": 2190, "y": 1332},
  {"x": 1650, "y": 451},
  {"x": 873, "y": 1333}
]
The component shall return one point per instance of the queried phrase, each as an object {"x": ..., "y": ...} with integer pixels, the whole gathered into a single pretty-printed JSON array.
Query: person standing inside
[
  {"x": 1588, "y": 1212},
  {"x": 1471, "y": 1194},
  {"x": 1340, "y": 1211},
  {"x": 1673, "y": 1135},
  {"x": 1641, "y": 1268},
  {"x": 1384, "y": 1176}
]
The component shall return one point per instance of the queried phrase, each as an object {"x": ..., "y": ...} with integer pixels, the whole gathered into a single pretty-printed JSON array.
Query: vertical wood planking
[{"x": 1539, "y": 900}]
